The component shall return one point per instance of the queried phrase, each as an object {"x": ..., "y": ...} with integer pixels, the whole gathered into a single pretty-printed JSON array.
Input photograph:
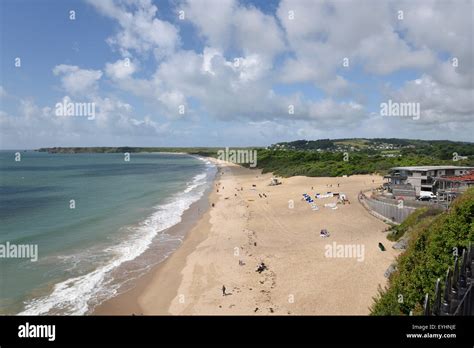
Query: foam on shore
[{"x": 74, "y": 296}]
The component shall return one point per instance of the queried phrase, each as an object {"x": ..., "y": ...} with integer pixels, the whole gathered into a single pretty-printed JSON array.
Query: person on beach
[{"x": 223, "y": 290}]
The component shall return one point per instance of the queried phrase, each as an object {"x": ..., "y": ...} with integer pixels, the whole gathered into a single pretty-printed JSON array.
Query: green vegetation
[
  {"x": 429, "y": 254},
  {"x": 425, "y": 213},
  {"x": 326, "y": 157},
  {"x": 202, "y": 151},
  {"x": 442, "y": 149},
  {"x": 308, "y": 163},
  {"x": 357, "y": 143},
  {"x": 322, "y": 144}
]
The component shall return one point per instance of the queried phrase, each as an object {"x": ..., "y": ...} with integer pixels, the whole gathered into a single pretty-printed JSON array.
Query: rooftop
[
  {"x": 465, "y": 177},
  {"x": 425, "y": 168}
]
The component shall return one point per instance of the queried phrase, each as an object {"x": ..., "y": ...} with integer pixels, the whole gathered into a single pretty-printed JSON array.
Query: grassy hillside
[
  {"x": 425, "y": 214},
  {"x": 203, "y": 151},
  {"x": 441, "y": 149},
  {"x": 428, "y": 256},
  {"x": 326, "y": 157},
  {"x": 310, "y": 163}
]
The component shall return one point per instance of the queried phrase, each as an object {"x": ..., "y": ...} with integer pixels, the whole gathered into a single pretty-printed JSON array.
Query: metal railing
[{"x": 457, "y": 298}]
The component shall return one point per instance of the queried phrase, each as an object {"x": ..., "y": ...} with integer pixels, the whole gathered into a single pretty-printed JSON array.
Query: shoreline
[
  {"x": 189, "y": 281},
  {"x": 126, "y": 303}
]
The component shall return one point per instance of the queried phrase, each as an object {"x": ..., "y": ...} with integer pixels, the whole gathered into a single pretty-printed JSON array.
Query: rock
[
  {"x": 392, "y": 268},
  {"x": 401, "y": 244}
]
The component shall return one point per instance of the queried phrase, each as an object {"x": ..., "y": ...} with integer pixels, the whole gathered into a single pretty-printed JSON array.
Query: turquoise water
[{"x": 120, "y": 209}]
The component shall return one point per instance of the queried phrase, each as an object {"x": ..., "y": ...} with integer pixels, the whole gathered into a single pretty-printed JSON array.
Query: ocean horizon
[{"x": 91, "y": 217}]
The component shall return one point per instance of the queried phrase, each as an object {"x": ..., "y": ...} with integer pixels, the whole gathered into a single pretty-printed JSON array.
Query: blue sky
[{"x": 227, "y": 73}]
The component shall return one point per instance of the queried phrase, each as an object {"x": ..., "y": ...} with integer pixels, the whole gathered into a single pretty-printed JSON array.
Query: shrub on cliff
[{"x": 430, "y": 252}]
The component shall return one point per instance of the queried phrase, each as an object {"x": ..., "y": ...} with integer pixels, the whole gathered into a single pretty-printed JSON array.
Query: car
[{"x": 424, "y": 194}]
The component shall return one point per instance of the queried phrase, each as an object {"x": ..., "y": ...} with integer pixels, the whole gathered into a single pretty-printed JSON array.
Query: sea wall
[{"x": 392, "y": 212}]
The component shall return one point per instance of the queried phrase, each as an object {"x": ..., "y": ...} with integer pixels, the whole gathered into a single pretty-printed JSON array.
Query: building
[
  {"x": 449, "y": 187},
  {"x": 408, "y": 182}
]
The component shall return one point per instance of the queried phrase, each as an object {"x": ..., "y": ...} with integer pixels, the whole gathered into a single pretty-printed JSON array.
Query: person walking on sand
[{"x": 223, "y": 290}]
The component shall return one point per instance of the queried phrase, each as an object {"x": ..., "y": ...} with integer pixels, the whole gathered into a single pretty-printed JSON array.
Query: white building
[{"x": 419, "y": 178}]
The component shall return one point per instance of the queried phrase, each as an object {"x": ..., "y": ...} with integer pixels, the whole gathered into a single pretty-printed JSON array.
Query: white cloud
[
  {"x": 121, "y": 69},
  {"x": 248, "y": 60},
  {"x": 140, "y": 30},
  {"x": 3, "y": 92},
  {"x": 213, "y": 18},
  {"x": 228, "y": 25},
  {"x": 386, "y": 53},
  {"x": 440, "y": 105},
  {"x": 322, "y": 34},
  {"x": 174, "y": 102},
  {"x": 445, "y": 26},
  {"x": 77, "y": 81}
]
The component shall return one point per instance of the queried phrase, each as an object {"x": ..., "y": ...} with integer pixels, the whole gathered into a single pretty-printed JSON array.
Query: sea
[{"x": 91, "y": 217}]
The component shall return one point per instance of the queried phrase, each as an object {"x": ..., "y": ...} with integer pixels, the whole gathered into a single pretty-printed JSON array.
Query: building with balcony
[
  {"x": 408, "y": 182},
  {"x": 449, "y": 187}
]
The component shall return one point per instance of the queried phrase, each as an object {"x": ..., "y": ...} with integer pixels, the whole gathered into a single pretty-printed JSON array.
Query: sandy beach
[{"x": 252, "y": 222}]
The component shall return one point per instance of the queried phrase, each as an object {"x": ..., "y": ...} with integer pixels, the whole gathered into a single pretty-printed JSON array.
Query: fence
[
  {"x": 390, "y": 211},
  {"x": 458, "y": 294},
  {"x": 411, "y": 203}
]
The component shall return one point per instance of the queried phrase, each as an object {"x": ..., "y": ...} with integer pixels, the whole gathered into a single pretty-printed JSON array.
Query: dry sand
[{"x": 242, "y": 226}]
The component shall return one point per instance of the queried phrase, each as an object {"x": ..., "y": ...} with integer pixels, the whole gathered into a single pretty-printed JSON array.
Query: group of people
[
  {"x": 324, "y": 233},
  {"x": 261, "y": 267}
]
